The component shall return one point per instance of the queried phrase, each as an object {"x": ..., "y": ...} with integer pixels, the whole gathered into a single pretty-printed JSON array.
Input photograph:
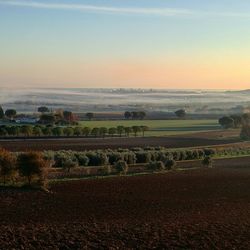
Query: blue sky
[{"x": 115, "y": 43}]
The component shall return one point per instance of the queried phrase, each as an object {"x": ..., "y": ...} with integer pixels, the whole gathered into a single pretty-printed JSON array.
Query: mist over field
[{"x": 101, "y": 100}]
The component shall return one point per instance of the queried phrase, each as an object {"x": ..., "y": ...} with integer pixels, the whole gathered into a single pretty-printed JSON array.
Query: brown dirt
[
  {"x": 195, "y": 209},
  {"x": 79, "y": 144}
]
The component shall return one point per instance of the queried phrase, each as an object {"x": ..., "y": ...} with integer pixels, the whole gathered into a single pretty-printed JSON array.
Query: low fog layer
[{"x": 103, "y": 100}]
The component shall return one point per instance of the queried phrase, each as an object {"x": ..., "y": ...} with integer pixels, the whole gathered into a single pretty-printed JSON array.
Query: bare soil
[
  {"x": 194, "y": 209},
  {"x": 80, "y": 144}
]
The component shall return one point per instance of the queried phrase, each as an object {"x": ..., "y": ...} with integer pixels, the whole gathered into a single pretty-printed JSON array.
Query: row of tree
[
  {"x": 235, "y": 121},
  {"x": 29, "y": 130},
  {"x": 59, "y": 117},
  {"x": 9, "y": 113},
  {"x": 34, "y": 166},
  {"x": 135, "y": 115},
  {"x": 46, "y": 117},
  {"x": 65, "y": 159}
]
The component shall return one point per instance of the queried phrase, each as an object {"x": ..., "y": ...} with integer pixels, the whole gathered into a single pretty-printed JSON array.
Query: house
[{"x": 27, "y": 120}]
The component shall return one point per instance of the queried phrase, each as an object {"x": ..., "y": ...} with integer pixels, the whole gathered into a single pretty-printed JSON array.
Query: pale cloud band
[
  {"x": 168, "y": 12},
  {"x": 97, "y": 8}
]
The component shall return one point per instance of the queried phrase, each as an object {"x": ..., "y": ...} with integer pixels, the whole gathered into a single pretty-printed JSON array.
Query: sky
[{"x": 175, "y": 44}]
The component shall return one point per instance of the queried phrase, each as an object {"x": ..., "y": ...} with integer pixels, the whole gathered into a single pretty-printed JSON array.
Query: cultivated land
[
  {"x": 189, "y": 208},
  {"x": 160, "y": 127},
  {"x": 219, "y": 137},
  {"x": 194, "y": 209}
]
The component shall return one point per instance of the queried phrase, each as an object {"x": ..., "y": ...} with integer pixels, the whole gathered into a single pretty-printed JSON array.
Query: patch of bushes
[
  {"x": 82, "y": 159},
  {"x": 209, "y": 151},
  {"x": 114, "y": 157},
  {"x": 136, "y": 155},
  {"x": 65, "y": 159},
  {"x": 155, "y": 166},
  {"x": 121, "y": 167},
  {"x": 170, "y": 164},
  {"x": 143, "y": 156},
  {"x": 245, "y": 132},
  {"x": 7, "y": 166},
  {"x": 129, "y": 157},
  {"x": 97, "y": 158},
  {"x": 207, "y": 161}
]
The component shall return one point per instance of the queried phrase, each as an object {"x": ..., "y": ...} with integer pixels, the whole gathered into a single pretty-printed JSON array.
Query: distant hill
[{"x": 245, "y": 91}]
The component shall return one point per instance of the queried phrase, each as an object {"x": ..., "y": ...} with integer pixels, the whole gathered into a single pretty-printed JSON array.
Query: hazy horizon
[
  {"x": 117, "y": 100},
  {"x": 122, "y": 44}
]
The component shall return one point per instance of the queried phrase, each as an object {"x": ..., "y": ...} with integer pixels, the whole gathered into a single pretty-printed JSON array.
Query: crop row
[
  {"x": 35, "y": 165},
  {"x": 68, "y": 159}
]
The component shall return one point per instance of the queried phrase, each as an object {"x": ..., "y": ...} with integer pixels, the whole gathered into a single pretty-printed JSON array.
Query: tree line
[
  {"x": 39, "y": 130},
  {"x": 32, "y": 167},
  {"x": 237, "y": 121},
  {"x": 140, "y": 115},
  {"x": 234, "y": 121}
]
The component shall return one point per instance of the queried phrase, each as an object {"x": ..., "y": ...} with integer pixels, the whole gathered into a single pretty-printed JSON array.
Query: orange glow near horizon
[{"x": 193, "y": 73}]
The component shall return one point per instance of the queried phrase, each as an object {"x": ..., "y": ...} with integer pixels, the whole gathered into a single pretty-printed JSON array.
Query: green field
[{"x": 160, "y": 127}]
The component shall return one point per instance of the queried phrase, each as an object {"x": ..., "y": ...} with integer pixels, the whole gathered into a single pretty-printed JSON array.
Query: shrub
[
  {"x": 114, "y": 157},
  {"x": 155, "y": 166},
  {"x": 3, "y": 131},
  {"x": 57, "y": 131},
  {"x": 189, "y": 154},
  {"x": 209, "y": 151},
  {"x": 163, "y": 156},
  {"x": 7, "y": 165},
  {"x": 226, "y": 122},
  {"x": 78, "y": 131},
  {"x": 49, "y": 156},
  {"x": 143, "y": 157},
  {"x": 149, "y": 148},
  {"x": 155, "y": 155},
  {"x": 196, "y": 154},
  {"x": 68, "y": 131},
  {"x": 176, "y": 155},
  {"x": 170, "y": 164},
  {"x": 65, "y": 159},
  {"x": 68, "y": 164},
  {"x": 82, "y": 159},
  {"x": 169, "y": 155},
  {"x": 207, "y": 161},
  {"x": 129, "y": 157},
  {"x": 121, "y": 167},
  {"x": 201, "y": 153},
  {"x": 32, "y": 165},
  {"x": 97, "y": 159},
  {"x": 159, "y": 148},
  {"x": 183, "y": 155},
  {"x": 245, "y": 132},
  {"x": 122, "y": 150},
  {"x": 86, "y": 131},
  {"x": 137, "y": 149},
  {"x": 47, "y": 131}
]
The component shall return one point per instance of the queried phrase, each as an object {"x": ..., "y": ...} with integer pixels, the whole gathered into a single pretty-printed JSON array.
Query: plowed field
[{"x": 194, "y": 209}]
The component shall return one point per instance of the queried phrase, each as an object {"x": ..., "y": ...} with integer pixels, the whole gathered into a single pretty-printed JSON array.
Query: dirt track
[
  {"x": 195, "y": 209},
  {"x": 88, "y": 144}
]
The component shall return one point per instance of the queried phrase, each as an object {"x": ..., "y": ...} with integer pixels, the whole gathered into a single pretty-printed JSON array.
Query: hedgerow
[
  {"x": 32, "y": 166},
  {"x": 155, "y": 166},
  {"x": 136, "y": 155}
]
